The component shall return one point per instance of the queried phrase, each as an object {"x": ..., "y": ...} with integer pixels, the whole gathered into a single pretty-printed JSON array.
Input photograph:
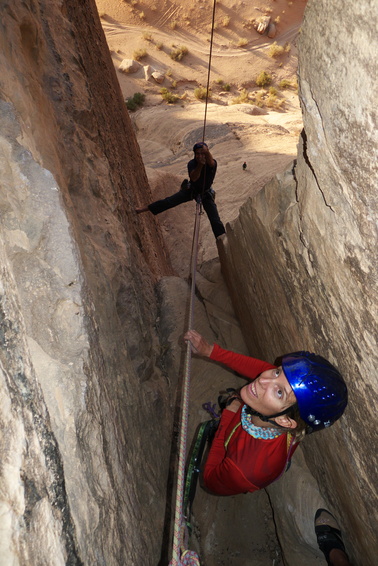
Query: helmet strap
[{"x": 267, "y": 419}]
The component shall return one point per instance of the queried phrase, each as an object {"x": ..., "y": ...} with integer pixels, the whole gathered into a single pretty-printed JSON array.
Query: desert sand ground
[{"x": 166, "y": 132}]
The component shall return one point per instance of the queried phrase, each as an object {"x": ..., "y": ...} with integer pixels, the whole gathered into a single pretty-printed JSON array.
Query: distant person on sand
[
  {"x": 201, "y": 170},
  {"x": 244, "y": 166}
]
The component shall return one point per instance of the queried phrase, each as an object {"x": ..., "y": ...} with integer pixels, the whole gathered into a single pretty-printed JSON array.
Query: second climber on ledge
[{"x": 201, "y": 171}]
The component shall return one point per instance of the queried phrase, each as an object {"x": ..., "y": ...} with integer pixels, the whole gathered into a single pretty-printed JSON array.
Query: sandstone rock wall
[
  {"x": 301, "y": 259},
  {"x": 83, "y": 401}
]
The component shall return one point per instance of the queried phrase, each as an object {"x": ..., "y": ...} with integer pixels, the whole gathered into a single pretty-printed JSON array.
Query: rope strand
[
  {"x": 177, "y": 535},
  {"x": 188, "y": 557},
  {"x": 208, "y": 70}
]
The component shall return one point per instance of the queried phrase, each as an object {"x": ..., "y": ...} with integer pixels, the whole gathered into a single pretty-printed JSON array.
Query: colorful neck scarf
[{"x": 257, "y": 431}]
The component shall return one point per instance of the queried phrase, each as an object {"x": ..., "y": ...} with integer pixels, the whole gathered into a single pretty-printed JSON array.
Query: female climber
[{"x": 262, "y": 426}]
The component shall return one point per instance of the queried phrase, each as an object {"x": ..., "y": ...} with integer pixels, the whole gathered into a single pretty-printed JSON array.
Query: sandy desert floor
[{"x": 267, "y": 142}]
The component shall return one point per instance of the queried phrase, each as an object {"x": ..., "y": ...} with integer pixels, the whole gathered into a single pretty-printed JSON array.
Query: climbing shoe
[{"x": 327, "y": 533}]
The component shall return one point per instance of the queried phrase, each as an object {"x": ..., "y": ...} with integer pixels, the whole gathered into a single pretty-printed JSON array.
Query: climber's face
[
  {"x": 269, "y": 393},
  {"x": 200, "y": 155}
]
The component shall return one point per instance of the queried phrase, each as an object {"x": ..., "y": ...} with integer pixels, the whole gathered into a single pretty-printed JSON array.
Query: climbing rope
[
  {"x": 180, "y": 555},
  {"x": 208, "y": 70},
  {"x": 179, "y": 524}
]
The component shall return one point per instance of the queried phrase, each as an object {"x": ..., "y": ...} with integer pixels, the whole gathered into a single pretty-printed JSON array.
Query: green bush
[
  {"x": 263, "y": 79},
  {"x": 275, "y": 50},
  {"x": 133, "y": 102},
  {"x": 139, "y": 54},
  {"x": 243, "y": 41},
  {"x": 131, "y": 105},
  {"x": 200, "y": 93},
  {"x": 242, "y": 98},
  {"x": 178, "y": 53},
  {"x": 139, "y": 98},
  {"x": 168, "y": 96},
  {"x": 284, "y": 84}
]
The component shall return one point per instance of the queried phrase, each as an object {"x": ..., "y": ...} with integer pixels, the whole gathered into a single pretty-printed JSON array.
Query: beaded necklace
[{"x": 257, "y": 431}]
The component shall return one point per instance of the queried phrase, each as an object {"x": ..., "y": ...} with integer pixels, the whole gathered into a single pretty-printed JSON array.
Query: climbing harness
[{"x": 203, "y": 432}]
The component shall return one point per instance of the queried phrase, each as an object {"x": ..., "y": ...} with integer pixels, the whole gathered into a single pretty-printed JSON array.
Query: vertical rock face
[
  {"x": 301, "y": 259},
  {"x": 82, "y": 399}
]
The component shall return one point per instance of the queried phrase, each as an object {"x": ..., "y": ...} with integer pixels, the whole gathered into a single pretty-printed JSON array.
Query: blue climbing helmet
[{"x": 319, "y": 387}]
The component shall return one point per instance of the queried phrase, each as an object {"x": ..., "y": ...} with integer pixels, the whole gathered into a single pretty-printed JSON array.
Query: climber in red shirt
[{"x": 262, "y": 426}]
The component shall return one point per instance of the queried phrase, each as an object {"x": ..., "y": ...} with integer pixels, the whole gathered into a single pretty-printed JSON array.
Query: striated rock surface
[
  {"x": 301, "y": 259},
  {"x": 82, "y": 398}
]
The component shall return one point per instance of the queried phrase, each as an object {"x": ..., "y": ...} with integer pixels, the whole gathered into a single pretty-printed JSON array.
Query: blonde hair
[{"x": 300, "y": 430}]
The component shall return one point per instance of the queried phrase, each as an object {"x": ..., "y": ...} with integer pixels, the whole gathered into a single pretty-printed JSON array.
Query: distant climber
[
  {"x": 244, "y": 166},
  {"x": 201, "y": 170}
]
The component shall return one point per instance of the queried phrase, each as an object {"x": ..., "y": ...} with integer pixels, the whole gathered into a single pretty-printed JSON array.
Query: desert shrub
[
  {"x": 277, "y": 20},
  {"x": 142, "y": 15},
  {"x": 173, "y": 24},
  {"x": 210, "y": 27},
  {"x": 242, "y": 98},
  {"x": 168, "y": 73},
  {"x": 131, "y": 105},
  {"x": 159, "y": 45},
  {"x": 168, "y": 96},
  {"x": 134, "y": 101},
  {"x": 174, "y": 84},
  {"x": 134, "y": 2},
  {"x": 139, "y": 98},
  {"x": 219, "y": 81},
  {"x": 139, "y": 54},
  {"x": 243, "y": 41},
  {"x": 250, "y": 23},
  {"x": 258, "y": 98},
  {"x": 284, "y": 84},
  {"x": 273, "y": 91},
  {"x": 226, "y": 21},
  {"x": 147, "y": 36},
  {"x": 200, "y": 93},
  {"x": 273, "y": 102},
  {"x": 263, "y": 79},
  {"x": 227, "y": 87},
  {"x": 275, "y": 50},
  {"x": 178, "y": 53}
]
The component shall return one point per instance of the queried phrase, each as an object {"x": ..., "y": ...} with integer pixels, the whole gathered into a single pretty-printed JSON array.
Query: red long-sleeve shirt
[{"x": 248, "y": 463}]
